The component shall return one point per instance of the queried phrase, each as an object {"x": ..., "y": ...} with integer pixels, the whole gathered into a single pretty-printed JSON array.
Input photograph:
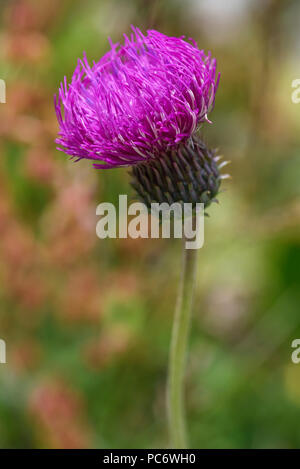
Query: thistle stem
[{"x": 178, "y": 349}]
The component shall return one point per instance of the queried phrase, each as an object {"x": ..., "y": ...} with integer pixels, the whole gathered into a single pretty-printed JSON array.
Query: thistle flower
[
  {"x": 140, "y": 106},
  {"x": 142, "y": 101},
  {"x": 142, "y": 98}
]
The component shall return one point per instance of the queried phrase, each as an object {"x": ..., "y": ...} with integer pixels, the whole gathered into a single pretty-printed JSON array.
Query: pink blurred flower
[{"x": 58, "y": 412}]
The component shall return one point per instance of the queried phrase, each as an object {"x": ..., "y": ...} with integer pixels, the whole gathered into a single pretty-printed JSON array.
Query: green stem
[{"x": 177, "y": 358}]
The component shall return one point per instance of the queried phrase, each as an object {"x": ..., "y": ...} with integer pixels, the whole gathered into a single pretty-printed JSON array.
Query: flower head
[{"x": 141, "y": 99}]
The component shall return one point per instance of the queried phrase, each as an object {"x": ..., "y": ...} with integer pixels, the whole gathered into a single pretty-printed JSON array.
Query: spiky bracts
[{"x": 189, "y": 174}]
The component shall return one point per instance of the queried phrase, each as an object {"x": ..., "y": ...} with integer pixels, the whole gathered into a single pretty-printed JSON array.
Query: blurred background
[{"x": 86, "y": 321}]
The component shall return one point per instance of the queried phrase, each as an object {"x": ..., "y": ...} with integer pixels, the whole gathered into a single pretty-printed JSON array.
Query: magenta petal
[{"x": 140, "y": 99}]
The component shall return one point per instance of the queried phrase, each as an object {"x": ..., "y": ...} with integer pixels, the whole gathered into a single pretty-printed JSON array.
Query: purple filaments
[{"x": 141, "y": 99}]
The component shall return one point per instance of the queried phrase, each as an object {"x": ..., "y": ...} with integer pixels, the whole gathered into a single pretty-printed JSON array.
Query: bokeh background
[{"x": 87, "y": 321}]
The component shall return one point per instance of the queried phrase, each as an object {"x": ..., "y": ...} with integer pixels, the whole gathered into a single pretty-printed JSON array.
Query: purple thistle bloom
[{"x": 141, "y": 99}]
